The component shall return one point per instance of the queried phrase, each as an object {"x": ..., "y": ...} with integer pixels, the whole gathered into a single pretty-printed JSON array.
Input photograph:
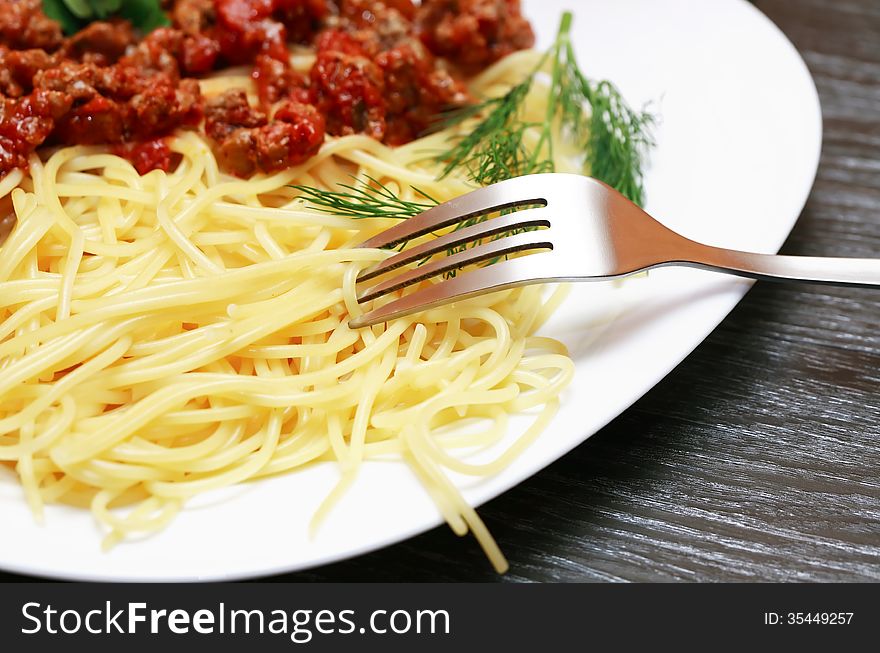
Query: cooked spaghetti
[{"x": 174, "y": 332}]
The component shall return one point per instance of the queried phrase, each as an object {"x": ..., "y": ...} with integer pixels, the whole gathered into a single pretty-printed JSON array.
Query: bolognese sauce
[{"x": 384, "y": 68}]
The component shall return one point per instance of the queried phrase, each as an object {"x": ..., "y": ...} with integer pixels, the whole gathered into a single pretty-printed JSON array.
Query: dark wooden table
[{"x": 759, "y": 457}]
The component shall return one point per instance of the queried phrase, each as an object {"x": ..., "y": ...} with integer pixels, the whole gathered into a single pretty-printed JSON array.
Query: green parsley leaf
[
  {"x": 104, "y": 8},
  {"x": 58, "y": 11},
  {"x": 79, "y": 8},
  {"x": 146, "y": 15},
  {"x": 73, "y": 15}
]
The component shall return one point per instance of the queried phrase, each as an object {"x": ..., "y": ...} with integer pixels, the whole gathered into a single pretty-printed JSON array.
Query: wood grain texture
[{"x": 759, "y": 457}]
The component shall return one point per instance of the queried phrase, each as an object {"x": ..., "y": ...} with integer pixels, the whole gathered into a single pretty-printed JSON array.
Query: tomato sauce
[{"x": 384, "y": 68}]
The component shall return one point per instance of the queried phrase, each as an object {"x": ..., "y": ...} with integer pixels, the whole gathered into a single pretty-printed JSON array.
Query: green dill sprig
[
  {"x": 494, "y": 150},
  {"x": 73, "y": 15},
  {"x": 613, "y": 137},
  {"x": 618, "y": 139},
  {"x": 368, "y": 199}
]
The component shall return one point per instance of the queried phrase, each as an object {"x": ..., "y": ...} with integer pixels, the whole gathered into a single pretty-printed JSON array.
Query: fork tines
[
  {"x": 499, "y": 273},
  {"x": 503, "y": 224},
  {"x": 498, "y": 276},
  {"x": 495, "y": 249},
  {"x": 484, "y": 201}
]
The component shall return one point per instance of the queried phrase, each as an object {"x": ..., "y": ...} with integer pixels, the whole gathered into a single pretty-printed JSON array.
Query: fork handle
[{"x": 858, "y": 272}]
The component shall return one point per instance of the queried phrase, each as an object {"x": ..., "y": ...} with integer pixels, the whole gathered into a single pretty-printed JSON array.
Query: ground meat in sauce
[
  {"x": 295, "y": 135},
  {"x": 99, "y": 120},
  {"x": 379, "y": 70},
  {"x": 277, "y": 80},
  {"x": 102, "y": 42},
  {"x": 164, "y": 106},
  {"x": 347, "y": 87},
  {"x": 303, "y": 18},
  {"x": 26, "y": 122},
  {"x": 157, "y": 53},
  {"x": 252, "y": 27},
  {"x": 81, "y": 81},
  {"x": 128, "y": 105},
  {"x": 147, "y": 155},
  {"x": 194, "y": 16},
  {"x": 23, "y": 26},
  {"x": 473, "y": 33},
  {"x": 198, "y": 51},
  {"x": 247, "y": 141},
  {"x": 18, "y": 68},
  {"x": 416, "y": 91},
  {"x": 98, "y": 105},
  {"x": 229, "y": 111},
  {"x": 377, "y": 25},
  {"x": 175, "y": 52}
]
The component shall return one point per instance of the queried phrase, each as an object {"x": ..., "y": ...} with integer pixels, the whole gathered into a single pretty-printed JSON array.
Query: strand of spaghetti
[
  {"x": 50, "y": 432},
  {"x": 249, "y": 214},
  {"x": 207, "y": 344},
  {"x": 339, "y": 339},
  {"x": 10, "y": 182},
  {"x": 50, "y": 355},
  {"x": 440, "y": 498},
  {"x": 30, "y": 229},
  {"x": 495, "y": 422},
  {"x": 59, "y": 388},
  {"x": 310, "y": 445},
  {"x": 248, "y": 466},
  {"x": 342, "y": 486},
  {"x": 23, "y": 201},
  {"x": 221, "y": 448},
  {"x": 43, "y": 185},
  {"x": 155, "y": 262},
  {"x": 54, "y": 489},
  {"x": 427, "y": 371},
  {"x": 181, "y": 293},
  {"x": 124, "y": 472},
  {"x": 336, "y": 438},
  {"x": 510, "y": 453},
  {"x": 395, "y": 419},
  {"x": 415, "y": 442},
  {"x": 416, "y": 344},
  {"x": 71, "y": 265},
  {"x": 503, "y": 71},
  {"x": 138, "y": 520},
  {"x": 372, "y": 384},
  {"x": 259, "y": 184},
  {"x": 194, "y": 385},
  {"x": 205, "y": 415},
  {"x": 25, "y": 469},
  {"x": 177, "y": 236}
]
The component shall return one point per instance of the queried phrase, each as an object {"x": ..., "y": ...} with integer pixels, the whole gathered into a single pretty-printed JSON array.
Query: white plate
[{"x": 737, "y": 151}]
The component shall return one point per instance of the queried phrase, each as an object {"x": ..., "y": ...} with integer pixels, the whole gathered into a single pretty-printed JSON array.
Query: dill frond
[
  {"x": 368, "y": 198},
  {"x": 615, "y": 138},
  {"x": 494, "y": 150}
]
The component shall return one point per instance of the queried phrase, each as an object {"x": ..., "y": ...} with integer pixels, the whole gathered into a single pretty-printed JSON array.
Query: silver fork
[{"x": 579, "y": 229}]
